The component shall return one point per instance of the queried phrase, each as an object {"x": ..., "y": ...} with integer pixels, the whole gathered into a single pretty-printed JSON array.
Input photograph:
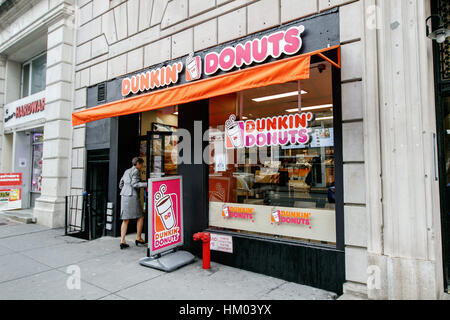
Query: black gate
[
  {"x": 76, "y": 224},
  {"x": 86, "y": 215}
]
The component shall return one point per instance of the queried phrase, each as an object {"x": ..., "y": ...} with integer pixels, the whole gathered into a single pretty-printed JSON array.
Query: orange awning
[{"x": 291, "y": 69}]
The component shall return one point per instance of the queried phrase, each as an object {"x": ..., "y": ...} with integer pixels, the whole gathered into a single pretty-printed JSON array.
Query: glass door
[
  {"x": 444, "y": 159},
  {"x": 160, "y": 150}
]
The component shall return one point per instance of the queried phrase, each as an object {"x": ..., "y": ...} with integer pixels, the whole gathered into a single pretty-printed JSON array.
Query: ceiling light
[
  {"x": 244, "y": 118},
  {"x": 324, "y": 106},
  {"x": 279, "y": 96},
  {"x": 175, "y": 113},
  {"x": 324, "y": 118}
]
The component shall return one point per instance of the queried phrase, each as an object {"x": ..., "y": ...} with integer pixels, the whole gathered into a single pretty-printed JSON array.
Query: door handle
[{"x": 435, "y": 155}]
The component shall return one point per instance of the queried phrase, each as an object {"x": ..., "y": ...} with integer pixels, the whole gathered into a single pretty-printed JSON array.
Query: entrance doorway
[
  {"x": 158, "y": 149},
  {"x": 444, "y": 164},
  {"x": 441, "y": 53},
  {"x": 97, "y": 190}
]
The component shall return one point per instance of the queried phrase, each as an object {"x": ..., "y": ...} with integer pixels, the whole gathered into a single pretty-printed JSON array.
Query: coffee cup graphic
[
  {"x": 234, "y": 132},
  {"x": 193, "y": 67},
  {"x": 276, "y": 216},
  {"x": 225, "y": 212},
  {"x": 164, "y": 208}
]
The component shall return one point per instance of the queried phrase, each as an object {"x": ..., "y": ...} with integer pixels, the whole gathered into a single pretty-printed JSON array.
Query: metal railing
[{"x": 85, "y": 215}]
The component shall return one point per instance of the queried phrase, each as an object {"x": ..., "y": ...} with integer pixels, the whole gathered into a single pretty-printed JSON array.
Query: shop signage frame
[
  {"x": 25, "y": 111},
  {"x": 171, "y": 216}
]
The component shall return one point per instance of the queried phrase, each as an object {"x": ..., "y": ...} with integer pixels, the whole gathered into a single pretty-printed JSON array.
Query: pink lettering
[
  {"x": 259, "y": 49},
  {"x": 227, "y": 59},
  {"x": 244, "y": 54},
  {"x": 211, "y": 63},
  {"x": 275, "y": 39},
  {"x": 293, "y": 40}
]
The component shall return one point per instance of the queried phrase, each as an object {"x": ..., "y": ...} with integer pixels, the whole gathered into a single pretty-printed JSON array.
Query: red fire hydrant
[{"x": 205, "y": 237}]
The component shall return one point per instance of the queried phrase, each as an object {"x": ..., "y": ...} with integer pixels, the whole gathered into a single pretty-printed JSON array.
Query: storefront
[
  {"x": 254, "y": 128},
  {"x": 24, "y": 135}
]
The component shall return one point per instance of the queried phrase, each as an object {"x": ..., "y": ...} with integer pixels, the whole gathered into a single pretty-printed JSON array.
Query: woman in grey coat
[{"x": 130, "y": 206}]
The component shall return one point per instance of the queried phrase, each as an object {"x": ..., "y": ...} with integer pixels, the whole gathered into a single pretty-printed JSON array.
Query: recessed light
[
  {"x": 244, "y": 118},
  {"x": 311, "y": 108},
  {"x": 175, "y": 113},
  {"x": 279, "y": 96}
]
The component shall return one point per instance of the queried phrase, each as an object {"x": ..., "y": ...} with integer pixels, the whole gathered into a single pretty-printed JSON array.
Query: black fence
[{"x": 86, "y": 215}]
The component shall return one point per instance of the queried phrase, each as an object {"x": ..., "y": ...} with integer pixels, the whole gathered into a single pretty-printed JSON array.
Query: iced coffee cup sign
[{"x": 166, "y": 221}]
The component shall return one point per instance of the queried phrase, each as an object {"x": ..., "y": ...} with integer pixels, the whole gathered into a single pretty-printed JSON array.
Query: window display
[
  {"x": 36, "y": 174},
  {"x": 272, "y": 167}
]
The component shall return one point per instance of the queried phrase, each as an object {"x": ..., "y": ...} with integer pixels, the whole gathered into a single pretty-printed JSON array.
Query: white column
[
  {"x": 49, "y": 208},
  {"x": 399, "y": 112},
  {"x": 2, "y": 100}
]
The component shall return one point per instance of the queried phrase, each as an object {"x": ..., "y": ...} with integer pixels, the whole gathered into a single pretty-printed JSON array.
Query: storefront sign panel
[
  {"x": 166, "y": 220},
  {"x": 11, "y": 179},
  {"x": 302, "y": 223},
  {"x": 24, "y": 111},
  {"x": 254, "y": 51}
]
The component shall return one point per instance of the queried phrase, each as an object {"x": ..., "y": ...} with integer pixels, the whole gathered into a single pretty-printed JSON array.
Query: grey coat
[{"x": 130, "y": 206}]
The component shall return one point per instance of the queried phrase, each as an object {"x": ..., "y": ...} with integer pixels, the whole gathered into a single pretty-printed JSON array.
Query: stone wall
[
  {"x": 50, "y": 23},
  {"x": 2, "y": 101},
  {"x": 118, "y": 37}
]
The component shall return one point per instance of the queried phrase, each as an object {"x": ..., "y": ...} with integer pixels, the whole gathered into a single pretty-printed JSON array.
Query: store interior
[{"x": 295, "y": 175}]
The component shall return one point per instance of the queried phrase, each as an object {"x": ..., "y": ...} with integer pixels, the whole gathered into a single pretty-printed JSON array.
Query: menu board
[{"x": 320, "y": 138}]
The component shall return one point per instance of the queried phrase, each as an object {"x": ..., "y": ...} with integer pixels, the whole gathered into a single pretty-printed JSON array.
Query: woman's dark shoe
[
  {"x": 139, "y": 242},
  {"x": 123, "y": 246}
]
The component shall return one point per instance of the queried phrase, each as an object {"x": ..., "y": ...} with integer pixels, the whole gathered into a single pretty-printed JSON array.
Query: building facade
[
  {"x": 36, "y": 40},
  {"x": 357, "y": 208}
]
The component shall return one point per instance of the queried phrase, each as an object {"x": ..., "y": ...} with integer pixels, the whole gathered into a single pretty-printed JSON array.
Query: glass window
[
  {"x": 34, "y": 75},
  {"x": 272, "y": 168},
  {"x": 36, "y": 174},
  {"x": 25, "y": 80},
  {"x": 38, "y": 75}
]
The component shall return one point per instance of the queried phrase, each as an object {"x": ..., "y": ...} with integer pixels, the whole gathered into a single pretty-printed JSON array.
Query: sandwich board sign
[{"x": 165, "y": 224}]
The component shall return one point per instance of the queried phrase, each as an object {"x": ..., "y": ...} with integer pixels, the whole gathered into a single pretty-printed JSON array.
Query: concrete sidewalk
[{"x": 34, "y": 261}]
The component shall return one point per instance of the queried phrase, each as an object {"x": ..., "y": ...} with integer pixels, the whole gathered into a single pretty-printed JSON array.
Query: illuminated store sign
[
  {"x": 255, "y": 51},
  {"x": 156, "y": 78},
  {"x": 273, "y": 131}
]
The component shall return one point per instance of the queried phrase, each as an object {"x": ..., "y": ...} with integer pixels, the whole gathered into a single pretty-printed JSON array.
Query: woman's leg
[
  {"x": 140, "y": 225},
  {"x": 123, "y": 230}
]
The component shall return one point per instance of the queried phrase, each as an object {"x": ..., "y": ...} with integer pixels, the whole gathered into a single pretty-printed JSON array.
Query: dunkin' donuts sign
[
  {"x": 255, "y": 51},
  {"x": 166, "y": 219},
  {"x": 272, "y": 131}
]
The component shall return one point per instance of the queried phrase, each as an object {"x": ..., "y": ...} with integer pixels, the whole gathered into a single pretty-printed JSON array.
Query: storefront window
[
  {"x": 34, "y": 75},
  {"x": 272, "y": 168},
  {"x": 36, "y": 174}
]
